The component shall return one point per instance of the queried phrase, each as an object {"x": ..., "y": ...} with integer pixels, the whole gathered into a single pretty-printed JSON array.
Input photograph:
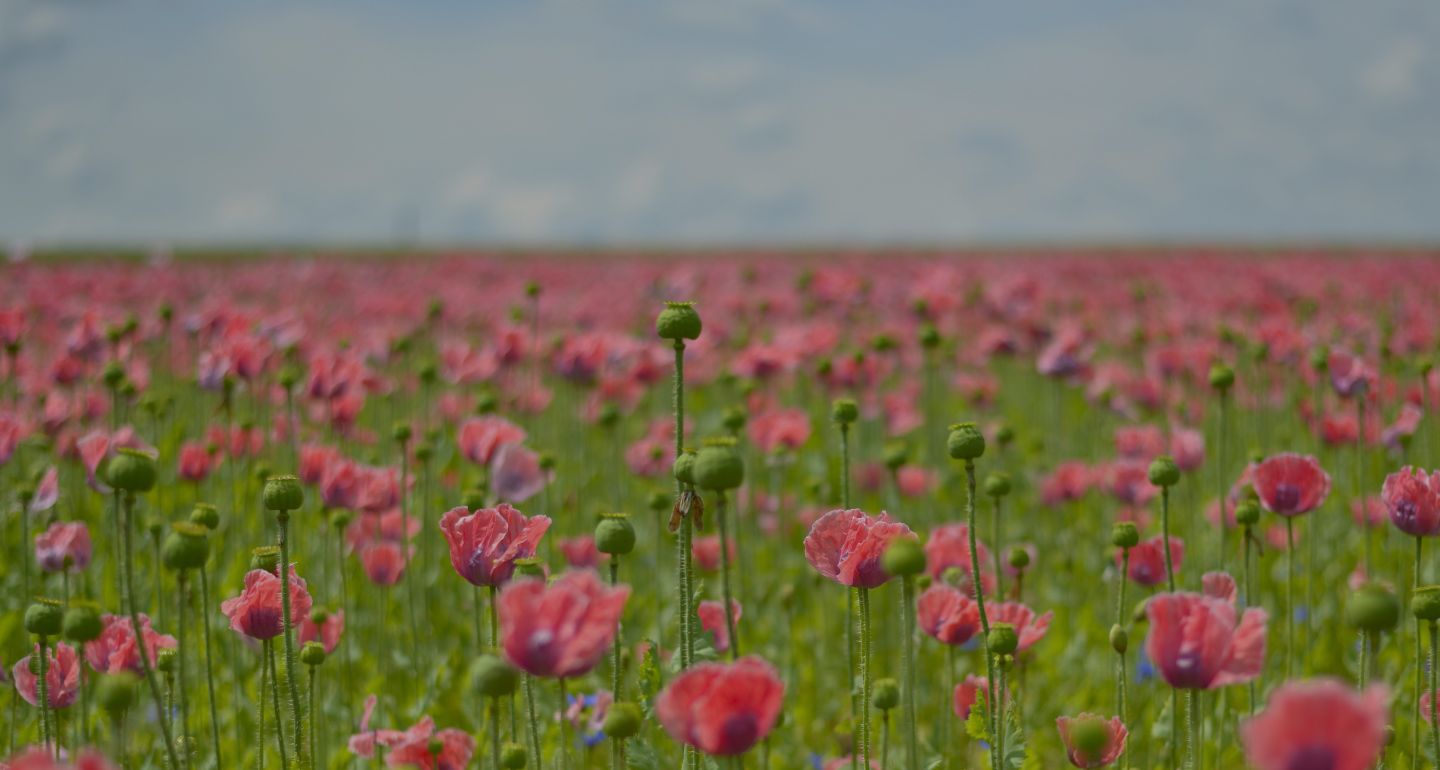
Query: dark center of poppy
[
  {"x": 1313, "y": 758},
  {"x": 738, "y": 733},
  {"x": 1405, "y": 513},
  {"x": 1286, "y": 498}
]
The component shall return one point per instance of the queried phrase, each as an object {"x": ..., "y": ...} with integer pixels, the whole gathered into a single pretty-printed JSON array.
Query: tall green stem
[
  {"x": 289, "y": 628},
  {"x": 864, "y": 597},
  {"x": 979, "y": 589},
  {"x": 617, "y": 745},
  {"x": 907, "y": 663},
  {"x": 275, "y": 703},
  {"x": 530, "y": 717},
  {"x": 43, "y": 699},
  {"x": 210, "y": 668},
  {"x": 1289, "y": 596},
  {"x": 1419, "y": 662},
  {"x": 1434, "y": 678},
  {"x": 1120, "y": 673},
  {"x": 721, "y": 514},
  {"x": 1165, "y": 537},
  {"x": 145, "y": 667}
]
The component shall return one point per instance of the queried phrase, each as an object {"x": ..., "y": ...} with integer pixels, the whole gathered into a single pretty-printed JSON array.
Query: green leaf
[
  {"x": 649, "y": 674},
  {"x": 976, "y": 725},
  {"x": 1014, "y": 758},
  {"x": 640, "y": 755}
]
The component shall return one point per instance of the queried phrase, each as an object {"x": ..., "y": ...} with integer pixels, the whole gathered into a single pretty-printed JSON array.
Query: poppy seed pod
[
  {"x": 1320, "y": 358},
  {"x": 1004, "y": 435},
  {"x": 718, "y": 466},
  {"x": 735, "y": 419},
  {"x": 1125, "y": 534},
  {"x": 423, "y": 453},
  {"x": 1373, "y": 608},
  {"x": 1002, "y": 639},
  {"x": 283, "y": 494},
  {"x": 1164, "y": 472},
  {"x": 266, "y": 557},
  {"x": 205, "y": 515},
  {"x": 614, "y": 534},
  {"x": 82, "y": 623},
  {"x": 493, "y": 677},
  {"x": 44, "y": 618},
  {"x": 116, "y": 692},
  {"x": 886, "y": 695},
  {"x": 684, "y": 467},
  {"x": 402, "y": 432},
  {"x": 547, "y": 461},
  {"x": 844, "y": 411},
  {"x": 903, "y": 557},
  {"x": 678, "y": 321},
  {"x": 609, "y": 416},
  {"x": 965, "y": 442},
  {"x": 513, "y": 756},
  {"x": 313, "y": 653},
  {"x": 659, "y": 501},
  {"x": 622, "y": 720},
  {"x": 131, "y": 470},
  {"x": 113, "y": 375},
  {"x": 1119, "y": 639},
  {"x": 1247, "y": 513},
  {"x": 186, "y": 547},
  {"x": 929, "y": 337},
  {"x": 1221, "y": 377},
  {"x": 166, "y": 659},
  {"x": 1019, "y": 558},
  {"x": 997, "y": 484},
  {"x": 1425, "y": 604},
  {"x": 895, "y": 455}
]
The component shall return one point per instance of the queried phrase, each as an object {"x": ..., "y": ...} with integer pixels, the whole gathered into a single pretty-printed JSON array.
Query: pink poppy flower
[
  {"x": 1290, "y": 484},
  {"x": 47, "y": 492},
  {"x": 362, "y": 744},
  {"x": 485, "y": 544},
  {"x": 948, "y": 614},
  {"x": 384, "y": 562},
  {"x": 1029, "y": 627},
  {"x": 949, "y": 548},
  {"x": 314, "y": 460},
  {"x": 1349, "y": 376},
  {"x": 1129, "y": 482},
  {"x": 1139, "y": 442},
  {"x": 580, "y": 552},
  {"x": 327, "y": 630},
  {"x": 195, "y": 462},
  {"x": 1147, "y": 560},
  {"x": 424, "y": 748},
  {"x": 774, "y": 430},
  {"x": 966, "y": 694},
  {"x": 712, "y": 620},
  {"x": 115, "y": 649},
  {"x": 706, "y": 552},
  {"x": 515, "y": 474},
  {"x": 62, "y": 677},
  {"x": 1115, "y": 736},
  {"x": 481, "y": 437},
  {"x": 846, "y": 546},
  {"x": 1197, "y": 642},
  {"x": 1412, "y": 497},
  {"x": 722, "y": 709},
  {"x": 41, "y": 758},
  {"x": 1369, "y": 511},
  {"x": 563, "y": 629},
  {"x": 1321, "y": 723},
  {"x": 1187, "y": 448},
  {"x": 64, "y": 547},
  {"x": 258, "y": 611},
  {"x": 1069, "y": 481},
  {"x": 914, "y": 481}
]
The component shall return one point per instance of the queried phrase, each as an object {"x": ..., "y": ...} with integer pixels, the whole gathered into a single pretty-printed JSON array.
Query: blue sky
[{"x": 718, "y": 120}]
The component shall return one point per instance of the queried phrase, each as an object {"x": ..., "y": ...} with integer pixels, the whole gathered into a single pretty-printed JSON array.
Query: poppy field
[{"x": 1131, "y": 508}]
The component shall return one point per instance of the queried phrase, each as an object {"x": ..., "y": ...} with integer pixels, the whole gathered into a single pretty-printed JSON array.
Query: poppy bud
[
  {"x": 678, "y": 321},
  {"x": 44, "y": 617},
  {"x": 622, "y": 720},
  {"x": 1119, "y": 639},
  {"x": 513, "y": 756},
  {"x": 903, "y": 557},
  {"x": 684, "y": 467},
  {"x": 659, "y": 501},
  {"x": 844, "y": 411},
  {"x": 205, "y": 515},
  {"x": 341, "y": 519},
  {"x": 886, "y": 695},
  {"x": 402, "y": 432},
  {"x": 718, "y": 466},
  {"x": 1004, "y": 435},
  {"x": 547, "y": 461},
  {"x": 186, "y": 547},
  {"x": 493, "y": 677},
  {"x": 486, "y": 404},
  {"x": 609, "y": 416},
  {"x": 266, "y": 557},
  {"x": 614, "y": 534},
  {"x": 1373, "y": 608},
  {"x": 1247, "y": 513},
  {"x": 965, "y": 442},
  {"x": 166, "y": 659},
  {"x": 529, "y": 568},
  {"x": 1019, "y": 558},
  {"x": 929, "y": 337},
  {"x": 113, "y": 375},
  {"x": 82, "y": 623},
  {"x": 1320, "y": 358},
  {"x": 1425, "y": 604},
  {"x": 424, "y": 452},
  {"x": 923, "y": 582},
  {"x": 1002, "y": 639},
  {"x": 734, "y": 419},
  {"x": 997, "y": 484},
  {"x": 1221, "y": 377},
  {"x": 312, "y": 654},
  {"x": 1138, "y": 614},
  {"x": 116, "y": 692},
  {"x": 289, "y": 377},
  {"x": 895, "y": 455},
  {"x": 1124, "y": 534},
  {"x": 131, "y": 470},
  {"x": 1164, "y": 472},
  {"x": 283, "y": 494}
]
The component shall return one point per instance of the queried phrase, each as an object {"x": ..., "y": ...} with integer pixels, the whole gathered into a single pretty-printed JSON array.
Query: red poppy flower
[
  {"x": 65, "y": 546},
  {"x": 258, "y": 611},
  {"x": 563, "y": 629},
  {"x": 115, "y": 649},
  {"x": 1085, "y": 757},
  {"x": 481, "y": 437},
  {"x": 722, "y": 709},
  {"x": 1197, "y": 642},
  {"x": 1321, "y": 723},
  {"x": 1147, "y": 560},
  {"x": 485, "y": 544},
  {"x": 948, "y": 614},
  {"x": 62, "y": 677},
  {"x": 846, "y": 546},
  {"x": 712, "y": 620},
  {"x": 1290, "y": 484},
  {"x": 1412, "y": 497}
]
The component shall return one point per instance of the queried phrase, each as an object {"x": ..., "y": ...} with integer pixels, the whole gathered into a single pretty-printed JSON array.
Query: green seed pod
[
  {"x": 1003, "y": 639},
  {"x": 493, "y": 677},
  {"x": 678, "y": 321},
  {"x": 1247, "y": 513},
  {"x": 423, "y": 453},
  {"x": 659, "y": 501},
  {"x": 1221, "y": 377},
  {"x": 1119, "y": 639},
  {"x": 1320, "y": 358},
  {"x": 312, "y": 654},
  {"x": 844, "y": 411},
  {"x": 114, "y": 375},
  {"x": 266, "y": 557},
  {"x": 735, "y": 419},
  {"x": 623, "y": 720},
  {"x": 1373, "y": 608},
  {"x": 997, "y": 484},
  {"x": 1425, "y": 604},
  {"x": 614, "y": 534},
  {"x": 131, "y": 470},
  {"x": 895, "y": 455},
  {"x": 82, "y": 623},
  {"x": 609, "y": 416},
  {"x": 1164, "y": 472},
  {"x": 166, "y": 659},
  {"x": 283, "y": 494},
  {"x": 44, "y": 618},
  {"x": 402, "y": 432},
  {"x": 1138, "y": 615},
  {"x": 903, "y": 557},
  {"x": 718, "y": 466},
  {"x": 684, "y": 467},
  {"x": 886, "y": 694},
  {"x": 115, "y": 693},
  {"x": 966, "y": 442},
  {"x": 186, "y": 547},
  {"x": 1124, "y": 534},
  {"x": 1019, "y": 558},
  {"x": 513, "y": 756},
  {"x": 929, "y": 337},
  {"x": 1004, "y": 435},
  {"x": 205, "y": 515}
]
